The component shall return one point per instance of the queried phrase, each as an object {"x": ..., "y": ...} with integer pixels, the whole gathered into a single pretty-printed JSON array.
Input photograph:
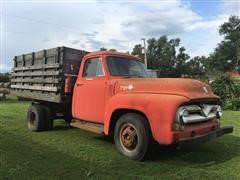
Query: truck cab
[{"x": 98, "y": 75}]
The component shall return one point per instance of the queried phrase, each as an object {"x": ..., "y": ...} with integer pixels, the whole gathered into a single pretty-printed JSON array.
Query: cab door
[{"x": 89, "y": 91}]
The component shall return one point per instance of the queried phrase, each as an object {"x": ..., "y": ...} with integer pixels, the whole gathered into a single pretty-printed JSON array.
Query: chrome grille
[{"x": 198, "y": 113}]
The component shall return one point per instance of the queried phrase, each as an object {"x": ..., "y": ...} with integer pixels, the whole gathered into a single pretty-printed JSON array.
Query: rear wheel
[
  {"x": 48, "y": 117},
  {"x": 36, "y": 118},
  {"x": 132, "y": 136}
]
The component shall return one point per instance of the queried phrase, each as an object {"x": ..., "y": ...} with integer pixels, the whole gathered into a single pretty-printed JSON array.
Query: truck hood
[{"x": 190, "y": 88}]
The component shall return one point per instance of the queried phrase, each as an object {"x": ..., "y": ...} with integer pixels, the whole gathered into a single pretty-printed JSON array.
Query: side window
[{"x": 93, "y": 67}]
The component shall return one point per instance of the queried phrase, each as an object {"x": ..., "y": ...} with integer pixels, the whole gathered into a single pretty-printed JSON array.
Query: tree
[
  {"x": 195, "y": 66},
  {"x": 226, "y": 56},
  {"x": 103, "y": 49},
  {"x": 113, "y": 50},
  {"x": 5, "y": 77},
  {"x": 181, "y": 66},
  {"x": 161, "y": 55},
  {"x": 137, "y": 51}
]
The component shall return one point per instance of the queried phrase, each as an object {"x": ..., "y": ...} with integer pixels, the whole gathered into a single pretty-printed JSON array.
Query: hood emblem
[
  {"x": 130, "y": 87},
  {"x": 126, "y": 87},
  {"x": 205, "y": 90}
]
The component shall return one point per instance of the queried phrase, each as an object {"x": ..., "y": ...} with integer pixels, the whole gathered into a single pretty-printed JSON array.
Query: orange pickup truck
[{"x": 110, "y": 93}]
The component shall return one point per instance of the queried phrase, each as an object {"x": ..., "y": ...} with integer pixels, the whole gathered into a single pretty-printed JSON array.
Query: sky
[{"x": 28, "y": 26}]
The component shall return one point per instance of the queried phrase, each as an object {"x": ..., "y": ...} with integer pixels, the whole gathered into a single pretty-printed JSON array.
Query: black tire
[
  {"x": 132, "y": 136},
  {"x": 36, "y": 118},
  {"x": 48, "y": 118},
  {"x": 67, "y": 118}
]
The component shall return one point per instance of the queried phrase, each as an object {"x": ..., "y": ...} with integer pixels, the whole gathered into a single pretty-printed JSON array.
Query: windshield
[{"x": 121, "y": 66}]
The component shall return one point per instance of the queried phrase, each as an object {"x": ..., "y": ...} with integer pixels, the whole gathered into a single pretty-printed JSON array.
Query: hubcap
[{"x": 128, "y": 137}]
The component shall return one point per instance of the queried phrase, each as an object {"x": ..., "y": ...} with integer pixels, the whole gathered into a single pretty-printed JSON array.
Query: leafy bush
[
  {"x": 228, "y": 90},
  {"x": 4, "y": 77},
  {"x": 236, "y": 104}
]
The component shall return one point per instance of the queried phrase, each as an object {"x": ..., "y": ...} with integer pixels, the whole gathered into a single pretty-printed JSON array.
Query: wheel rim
[
  {"x": 32, "y": 119},
  {"x": 128, "y": 137}
]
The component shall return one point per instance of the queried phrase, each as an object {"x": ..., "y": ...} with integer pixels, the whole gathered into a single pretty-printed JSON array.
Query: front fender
[{"x": 160, "y": 110}]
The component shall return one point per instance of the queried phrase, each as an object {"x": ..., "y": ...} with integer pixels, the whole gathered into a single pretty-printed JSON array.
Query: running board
[{"x": 88, "y": 126}]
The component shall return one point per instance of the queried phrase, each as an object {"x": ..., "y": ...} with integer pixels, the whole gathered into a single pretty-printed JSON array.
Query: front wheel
[{"x": 132, "y": 136}]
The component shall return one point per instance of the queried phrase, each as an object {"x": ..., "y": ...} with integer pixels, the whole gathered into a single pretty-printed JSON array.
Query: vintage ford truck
[{"x": 110, "y": 93}]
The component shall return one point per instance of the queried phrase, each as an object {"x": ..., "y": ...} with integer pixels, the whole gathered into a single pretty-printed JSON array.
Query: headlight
[
  {"x": 219, "y": 112},
  {"x": 182, "y": 112},
  {"x": 179, "y": 124}
]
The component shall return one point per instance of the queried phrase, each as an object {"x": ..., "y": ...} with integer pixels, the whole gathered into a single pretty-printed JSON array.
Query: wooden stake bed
[{"x": 42, "y": 75}]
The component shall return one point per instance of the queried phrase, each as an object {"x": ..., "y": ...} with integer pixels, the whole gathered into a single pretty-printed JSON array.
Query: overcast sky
[{"x": 90, "y": 25}]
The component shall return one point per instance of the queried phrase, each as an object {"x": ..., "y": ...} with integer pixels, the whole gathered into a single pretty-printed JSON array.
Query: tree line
[{"x": 171, "y": 60}]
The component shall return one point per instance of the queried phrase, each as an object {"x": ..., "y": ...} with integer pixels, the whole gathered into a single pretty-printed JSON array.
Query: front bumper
[{"x": 205, "y": 137}]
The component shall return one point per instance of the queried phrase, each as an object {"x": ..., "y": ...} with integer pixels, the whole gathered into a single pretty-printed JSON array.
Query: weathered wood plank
[
  {"x": 43, "y": 73},
  {"x": 36, "y": 80},
  {"x": 44, "y": 66},
  {"x": 39, "y": 88},
  {"x": 50, "y": 97}
]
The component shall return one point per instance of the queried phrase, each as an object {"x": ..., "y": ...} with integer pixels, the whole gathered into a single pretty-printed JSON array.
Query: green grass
[{"x": 68, "y": 153}]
